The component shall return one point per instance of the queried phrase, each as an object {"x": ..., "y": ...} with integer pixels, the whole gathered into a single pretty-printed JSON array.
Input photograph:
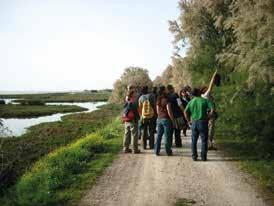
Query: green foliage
[
  {"x": 184, "y": 202},
  {"x": 110, "y": 132},
  {"x": 54, "y": 179}
]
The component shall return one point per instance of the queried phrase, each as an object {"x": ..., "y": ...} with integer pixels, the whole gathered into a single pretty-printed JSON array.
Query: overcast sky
[{"x": 81, "y": 44}]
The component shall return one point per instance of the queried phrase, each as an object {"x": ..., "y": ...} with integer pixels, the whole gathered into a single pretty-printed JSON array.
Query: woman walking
[{"x": 164, "y": 122}]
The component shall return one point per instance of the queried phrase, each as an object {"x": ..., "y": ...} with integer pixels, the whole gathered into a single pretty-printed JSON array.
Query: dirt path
[{"x": 147, "y": 180}]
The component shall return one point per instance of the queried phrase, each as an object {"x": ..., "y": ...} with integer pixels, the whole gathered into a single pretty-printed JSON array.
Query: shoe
[
  {"x": 204, "y": 158},
  {"x": 194, "y": 159},
  {"x": 127, "y": 150},
  {"x": 170, "y": 154},
  {"x": 179, "y": 146},
  {"x": 137, "y": 151},
  {"x": 157, "y": 154}
]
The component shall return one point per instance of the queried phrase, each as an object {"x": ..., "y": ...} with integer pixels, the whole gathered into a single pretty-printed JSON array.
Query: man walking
[
  {"x": 196, "y": 110},
  {"x": 130, "y": 118}
]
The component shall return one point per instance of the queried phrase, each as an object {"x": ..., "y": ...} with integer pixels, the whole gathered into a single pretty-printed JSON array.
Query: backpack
[
  {"x": 128, "y": 114},
  {"x": 147, "y": 110}
]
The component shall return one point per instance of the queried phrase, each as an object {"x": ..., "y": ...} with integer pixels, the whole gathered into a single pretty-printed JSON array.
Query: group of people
[{"x": 165, "y": 113}]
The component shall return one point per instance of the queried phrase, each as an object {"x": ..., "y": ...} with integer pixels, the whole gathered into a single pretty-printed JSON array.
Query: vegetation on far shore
[
  {"x": 28, "y": 111},
  {"x": 20, "y": 153},
  {"x": 87, "y": 96}
]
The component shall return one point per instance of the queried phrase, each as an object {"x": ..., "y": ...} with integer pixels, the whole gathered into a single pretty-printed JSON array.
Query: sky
[{"x": 59, "y": 45}]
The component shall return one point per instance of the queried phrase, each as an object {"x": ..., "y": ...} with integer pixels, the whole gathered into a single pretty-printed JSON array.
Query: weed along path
[{"x": 146, "y": 180}]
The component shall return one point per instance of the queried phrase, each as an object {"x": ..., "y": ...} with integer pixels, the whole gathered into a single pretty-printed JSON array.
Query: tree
[
  {"x": 135, "y": 76},
  {"x": 237, "y": 38},
  {"x": 158, "y": 81},
  {"x": 167, "y": 75}
]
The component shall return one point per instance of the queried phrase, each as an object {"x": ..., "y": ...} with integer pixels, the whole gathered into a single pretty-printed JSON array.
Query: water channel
[{"x": 18, "y": 127}]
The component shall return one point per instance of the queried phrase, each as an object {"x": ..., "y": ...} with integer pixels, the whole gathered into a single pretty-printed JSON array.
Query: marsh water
[{"x": 18, "y": 127}]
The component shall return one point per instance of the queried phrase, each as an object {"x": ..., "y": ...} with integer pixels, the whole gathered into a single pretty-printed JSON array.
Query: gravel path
[{"x": 146, "y": 180}]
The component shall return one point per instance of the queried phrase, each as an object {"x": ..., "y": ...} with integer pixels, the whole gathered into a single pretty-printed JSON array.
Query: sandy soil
[{"x": 148, "y": 180}]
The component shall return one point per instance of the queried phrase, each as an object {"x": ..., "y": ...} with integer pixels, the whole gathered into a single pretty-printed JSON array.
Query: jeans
[
  {"x": 148, "y": 133},
  {"x": 199, "y": 127},
  {"x": 163, "y": 128}
]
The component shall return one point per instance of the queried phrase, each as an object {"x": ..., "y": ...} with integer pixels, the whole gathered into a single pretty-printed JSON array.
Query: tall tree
[{"x": 135, "y": 76}]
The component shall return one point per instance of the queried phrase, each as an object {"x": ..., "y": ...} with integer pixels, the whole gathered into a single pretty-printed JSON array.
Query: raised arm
[{"x": 211, "y": 82}]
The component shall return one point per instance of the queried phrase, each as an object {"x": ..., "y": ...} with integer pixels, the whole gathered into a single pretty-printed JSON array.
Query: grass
[
  {"x": 18, "y": 154},
  {"x": 241, "y": 149},
  {"x": 60, "y": 177},
  {"x": 62, "y": 97},
  {"x": 184, "y": 202},
  {"x": 27, "y": 111}
]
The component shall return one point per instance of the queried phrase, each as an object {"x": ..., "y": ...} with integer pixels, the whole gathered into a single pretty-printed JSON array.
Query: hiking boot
[
  {"x": 127, "y": 150},
  {"x": 137, "y": 151}
]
